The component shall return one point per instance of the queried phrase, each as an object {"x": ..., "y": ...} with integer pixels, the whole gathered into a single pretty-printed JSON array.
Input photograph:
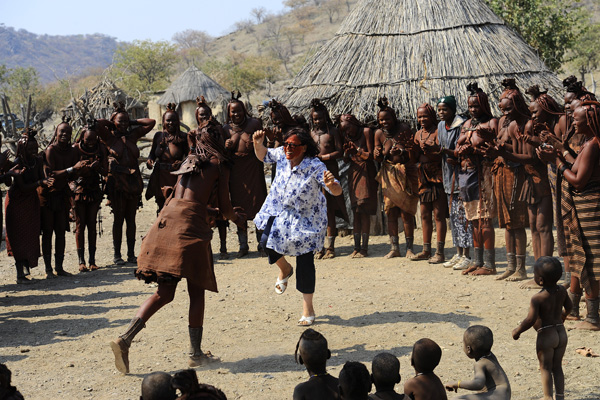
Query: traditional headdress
[
  {"x": 118, "y": 108},
  {"x": 383, "y": 105},
  {"x": 235, "y": 99},
  {"x": 574, "y": 86},
  {"x": 482, "y": 98},
  {"x": 286, "y": 118},
  {"x": 512, "y": 93},
  {"x": 429, "y": 110},
  {"x": 316, "y": 105},
  {"x": 544, "y": 100}
]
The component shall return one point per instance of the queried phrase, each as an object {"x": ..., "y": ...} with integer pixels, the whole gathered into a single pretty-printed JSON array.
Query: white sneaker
[
  {"x": 463, "y": 264},
  {"x": 453, "y": 261}
]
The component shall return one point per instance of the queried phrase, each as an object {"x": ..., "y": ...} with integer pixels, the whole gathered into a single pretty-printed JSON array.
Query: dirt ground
[{"x": 55, "y": 333}]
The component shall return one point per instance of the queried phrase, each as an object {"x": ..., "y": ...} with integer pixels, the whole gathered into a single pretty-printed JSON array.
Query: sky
[{"x": 129, "y": 20}]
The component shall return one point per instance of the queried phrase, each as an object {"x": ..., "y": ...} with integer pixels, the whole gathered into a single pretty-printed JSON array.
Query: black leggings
[{"x": 305, "y": 270}]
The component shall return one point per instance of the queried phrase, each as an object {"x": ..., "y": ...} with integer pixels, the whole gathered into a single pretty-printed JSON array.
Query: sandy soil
[{"x": 55, "y": 333}]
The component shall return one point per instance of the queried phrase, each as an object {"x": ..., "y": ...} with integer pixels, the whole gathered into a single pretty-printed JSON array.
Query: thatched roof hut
[
  {"x": 98, "y": 102},
  {"x": 414, "y": 52},
  {"x": 183, "y": 92}
]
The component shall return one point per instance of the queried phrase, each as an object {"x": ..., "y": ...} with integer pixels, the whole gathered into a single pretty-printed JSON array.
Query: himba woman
[
  {"x": 178, "y": 244},
  {"x": 395, "y": 149},
  {"x": 580, "y": 205},
  {"x": 545, "y": 113},
  {"x": 62, "y": 163},
  {"x": 509, "y": 177},
  {"x": 431, "y": 185},
  {"x": 568, "y": 142},
  {"x": 205, "y": 117},
  {"x": 87, "y": 192},
  {"x": 169, "y": 148},
  {"x": 283, "y": 121},
  {"x": 362, "y": 186},
  {"x": 23, "y": 206},
  {"x": 448, "y": 133},
  {"x": 124, "y": 183},
  {"x": 247, "y": 180},
  {"x": 475, "y": 179},
  {"x": 329, "y": 142}
]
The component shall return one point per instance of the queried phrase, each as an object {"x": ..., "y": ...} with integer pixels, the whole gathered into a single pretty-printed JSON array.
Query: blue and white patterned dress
[{"x": 298, "y": 205}]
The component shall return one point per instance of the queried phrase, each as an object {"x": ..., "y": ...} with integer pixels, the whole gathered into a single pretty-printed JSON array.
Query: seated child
[
  {"x": 546, "y": 315},
  {"x": 489, "y": 375},
  {"x": 386, "y": 373},
  {"x": 157, "y": 386},
  {"x": 355, "y": 382},
  {"x": 426, "y": 385},
  {"x": 7, "y": 391},
  {"x": 313, "y": 353},
  {"x": 187, "y": 383}
]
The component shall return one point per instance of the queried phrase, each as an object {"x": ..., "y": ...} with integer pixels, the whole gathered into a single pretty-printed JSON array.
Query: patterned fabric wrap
[{"x": 580, "y": 212}]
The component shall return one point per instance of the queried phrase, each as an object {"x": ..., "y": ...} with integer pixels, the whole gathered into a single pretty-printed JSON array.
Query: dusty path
[{"x": 54, "y": 334}]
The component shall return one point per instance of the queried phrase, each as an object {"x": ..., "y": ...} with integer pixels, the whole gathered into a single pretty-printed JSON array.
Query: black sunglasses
[{"x": 292, "y": 145}]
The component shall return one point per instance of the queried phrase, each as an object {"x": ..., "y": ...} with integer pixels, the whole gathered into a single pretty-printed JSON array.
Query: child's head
[
  {"x": 478, "y": 341},
  {"x": 312, "y": 350},
  {"x": 157, "y": 386},
  {"x": 386, "y": 370},
  {"x": 547, "y": 271},
  {"x": 354, "y": 381},
  {"x": 426, "y": 355}
]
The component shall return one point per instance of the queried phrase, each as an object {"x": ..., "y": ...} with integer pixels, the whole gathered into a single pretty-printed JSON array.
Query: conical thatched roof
[
  {"x": 415, "y": 51},
  {"x": 98, "y": 102},
  {"x": 191, "y": 84}
]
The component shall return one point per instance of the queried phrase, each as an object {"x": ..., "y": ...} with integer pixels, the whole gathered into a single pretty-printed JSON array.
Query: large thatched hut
[
  {"x": 98, "y": 102},
  {"x": 414, "y": 52},
  {"x": 183, "y": 92}
]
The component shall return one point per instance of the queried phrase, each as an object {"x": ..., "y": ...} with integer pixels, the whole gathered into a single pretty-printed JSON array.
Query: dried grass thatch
[
  {"x": 414, "y": 52},
  {"x": 98, "y": 103},
  {"x": 191, "y": 84}
]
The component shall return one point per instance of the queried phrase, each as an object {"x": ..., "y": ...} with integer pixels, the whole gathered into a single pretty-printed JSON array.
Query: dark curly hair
[{"x": 312, "y": 150}]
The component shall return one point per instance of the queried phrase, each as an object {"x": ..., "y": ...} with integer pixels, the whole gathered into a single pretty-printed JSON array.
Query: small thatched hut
[
  {"x": 98, "y": 102},
  {"x": 414, "y": 52},
  {"x": 183, "y": 92}
]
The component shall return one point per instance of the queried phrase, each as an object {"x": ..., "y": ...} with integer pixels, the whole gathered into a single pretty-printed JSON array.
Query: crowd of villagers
[{"x": 536, "y": 166}]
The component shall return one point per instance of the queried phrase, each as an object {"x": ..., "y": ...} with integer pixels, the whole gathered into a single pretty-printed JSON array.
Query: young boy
[
  {"x": 546, "y": 315},
  {"x": 355, "y": 382},
  {"x": 489, "y": 375},
  {"x": 386, "y": 374},
  {"x": 426, "y": 385},
  {"x": 157, "y": 386},
  {"x": 313, "y": 353}
]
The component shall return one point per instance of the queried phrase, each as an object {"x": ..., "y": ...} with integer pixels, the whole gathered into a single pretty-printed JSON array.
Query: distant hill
[{"x": 50, "y": 55}]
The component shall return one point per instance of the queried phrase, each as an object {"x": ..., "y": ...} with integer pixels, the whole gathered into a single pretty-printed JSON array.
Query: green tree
[
  {"x": 243, "y": 73},
  {"x": 549, "y": 26},
  {"x": 20, "y": 83},
  {"x": 586, "y": 51},
  {"x": 145, "y": 66}
]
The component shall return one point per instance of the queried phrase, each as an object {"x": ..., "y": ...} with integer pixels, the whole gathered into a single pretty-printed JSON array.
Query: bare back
[{"x": 425, "y": 387}]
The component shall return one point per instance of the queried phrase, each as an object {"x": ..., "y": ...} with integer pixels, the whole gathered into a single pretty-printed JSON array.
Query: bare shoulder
[{"x": 254, "y": 124}]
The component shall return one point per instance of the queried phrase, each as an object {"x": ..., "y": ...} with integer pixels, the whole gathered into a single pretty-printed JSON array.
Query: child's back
[
  {"x": 323, "y": 387},
  {"x": 426, "y": 385}
]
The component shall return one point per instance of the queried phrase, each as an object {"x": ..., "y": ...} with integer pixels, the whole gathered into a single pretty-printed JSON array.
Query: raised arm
[
  {"x": 145, "y": 125},
  {"x": 259, "y": 147}
]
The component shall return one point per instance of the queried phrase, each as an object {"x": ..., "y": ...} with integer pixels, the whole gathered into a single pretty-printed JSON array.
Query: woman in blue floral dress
[{"x": 294, "y": 215}]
